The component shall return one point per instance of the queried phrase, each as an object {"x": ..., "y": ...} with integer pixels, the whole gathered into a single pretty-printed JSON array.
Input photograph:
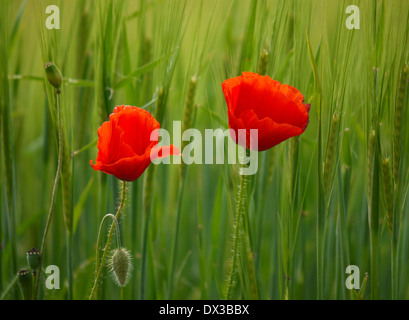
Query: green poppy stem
[
  {"x": 54, "y": 192},
  {"x": 238, "y": 230},
  {"x": 147, "y": 204},
  {"x": 175, "y": 239},
  {"x": 100, "y": 265}
]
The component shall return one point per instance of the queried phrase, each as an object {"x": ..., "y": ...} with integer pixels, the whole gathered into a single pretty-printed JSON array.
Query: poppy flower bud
[
  {"x": 53, "y": 75},
  {"x": 33, "y": 258},
  {"x": 25, "y": 280},
  {"x": 121, "y": 266}
]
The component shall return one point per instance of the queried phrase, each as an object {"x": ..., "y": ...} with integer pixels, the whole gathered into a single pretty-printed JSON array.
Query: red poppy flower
[
  {"x": 258, "y": 102},
  {"x": 125, "y": 146}
]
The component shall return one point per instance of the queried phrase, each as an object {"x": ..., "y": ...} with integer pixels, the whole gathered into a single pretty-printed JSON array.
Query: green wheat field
[{"x": 333, "y": 197}]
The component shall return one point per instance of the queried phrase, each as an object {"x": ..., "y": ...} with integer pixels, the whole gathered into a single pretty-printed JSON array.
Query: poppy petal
[
  {"x": 258, "y": 102},
  {"x": 124, "y": 143},
  {"x": 164, "y": 151},
  {"x": 137, "y": 127},
  {"x": 111, "y": 145},
  {"x": 126, "y": 169}
]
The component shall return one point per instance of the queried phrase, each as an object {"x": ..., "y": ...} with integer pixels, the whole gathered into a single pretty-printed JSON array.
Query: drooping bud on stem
[
  {"x": 53, "y": 75},
  {"x": 25, "y": 280},
  {"x": 121, "y": 266}
]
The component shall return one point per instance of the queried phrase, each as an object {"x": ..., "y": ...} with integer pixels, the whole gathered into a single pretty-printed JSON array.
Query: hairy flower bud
[{"x": 121, "y": 266}]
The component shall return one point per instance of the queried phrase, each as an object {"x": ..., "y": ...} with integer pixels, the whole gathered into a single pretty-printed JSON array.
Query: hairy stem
[
  {"x": 100, "y": 265},
  {"x": 237, "y": 236}
]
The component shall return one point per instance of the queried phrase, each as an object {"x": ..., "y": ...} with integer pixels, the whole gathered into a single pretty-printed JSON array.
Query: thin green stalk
[
  {"x": 144, "y": 256},
  {"x": 147, "y": 205},
  {"x": 67, "y": 201},
  {"x": 248, "y": 42},
  {"x": 266, "y": 171},
  {"x": 321, "y": 214},
  {"x": 291, "y": 220},
  {"x": 53, "y": 195},
  {"x": 12, "y": 283},
  {"x": 342, "y": 216},
  {"x": 175, "y": 239},
  {"x": 250, "y": 256},
  {"x": 100, "y": 266},
  {"x": 134, "y": 219},
  {"x": 70, "y": 267},
  {"x": 237, "y": 237},
  {"x": 320, "y": 248},
  {"x": 1, "y": 217},
  {"x": 374, "y": 226},
  {"x": 188, "y": 121},
  {"x": 388, "y": 193},
  {"x": 396, "y": 224},
  {"x": 397, "y": 159},
  {"x": 394, "y": 267},
  {"x": 84, "y": 148},
  {"x": 6, "y": 136},
  {"x": 69, "y": 214},
  {"x": 147, "y": 194}
]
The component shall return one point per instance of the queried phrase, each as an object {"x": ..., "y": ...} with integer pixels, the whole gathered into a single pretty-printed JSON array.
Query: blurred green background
[{"x": 120, "y": 53}]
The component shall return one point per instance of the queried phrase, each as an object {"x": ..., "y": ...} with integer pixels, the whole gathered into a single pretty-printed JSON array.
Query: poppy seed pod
[
  {"x": 53, "y": 75},
  {"x": 25, "y": 280},
  {"x": 33, "y": 258},
  {"x": 121, "y": 266}
]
